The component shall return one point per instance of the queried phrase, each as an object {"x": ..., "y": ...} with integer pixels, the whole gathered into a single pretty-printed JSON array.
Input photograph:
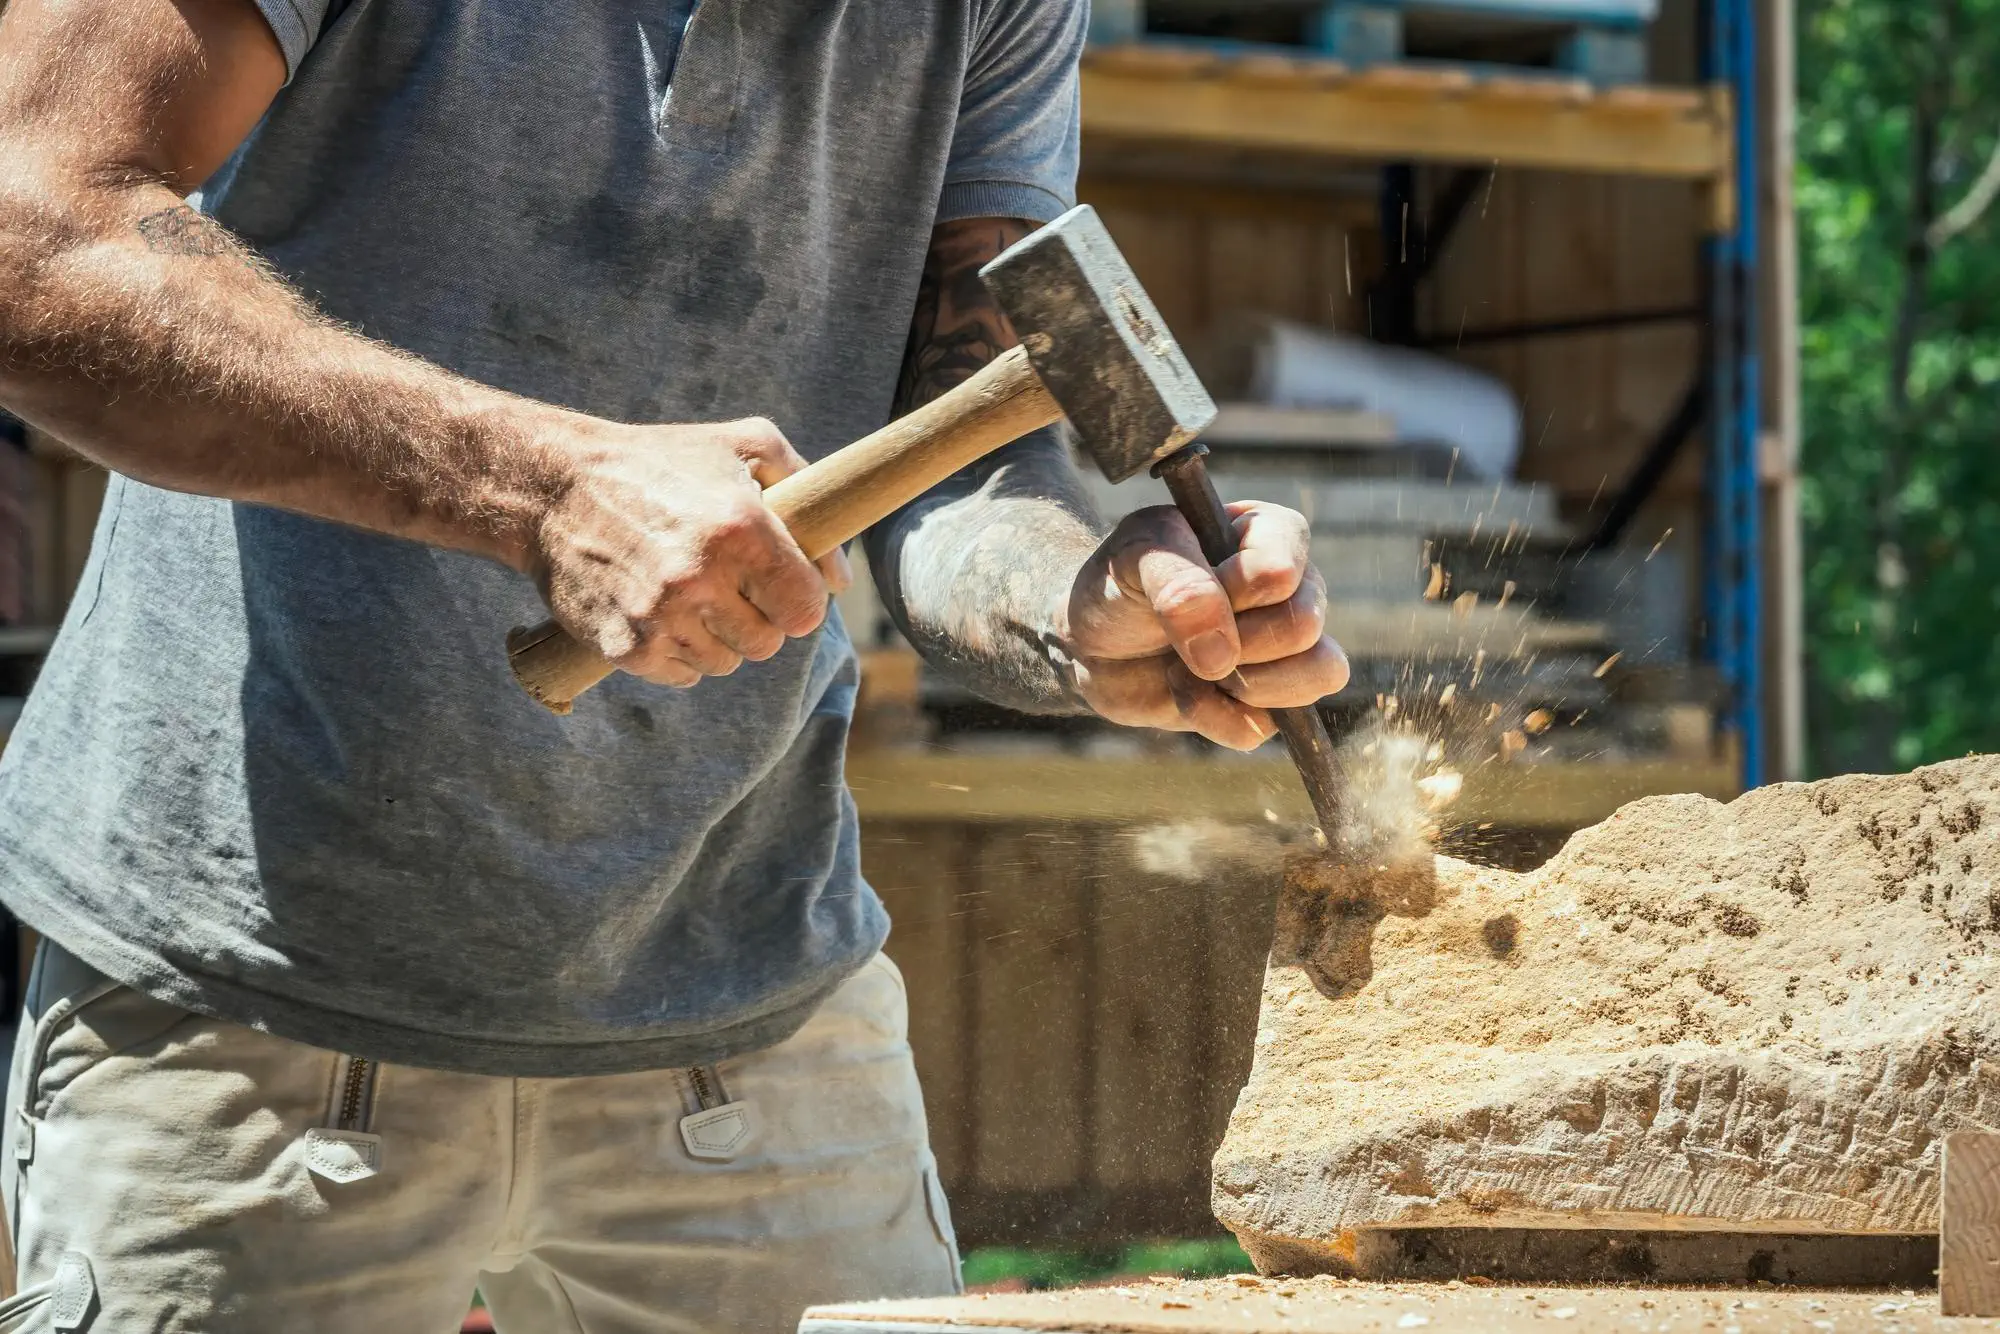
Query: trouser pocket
[
  {"x": 64, "y": 1303},
  {"x": 74, "y": 1018}
]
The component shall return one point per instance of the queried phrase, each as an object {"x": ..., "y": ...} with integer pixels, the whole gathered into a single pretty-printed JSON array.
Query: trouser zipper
[
  {"x": 707, "y": 1085},
  {"x": 357, "y": 1084}
]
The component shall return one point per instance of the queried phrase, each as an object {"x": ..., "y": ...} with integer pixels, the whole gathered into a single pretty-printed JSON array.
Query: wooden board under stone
[{"x": 1331, "y": 1306}]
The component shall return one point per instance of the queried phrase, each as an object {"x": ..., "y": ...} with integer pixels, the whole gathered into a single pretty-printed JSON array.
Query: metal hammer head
[{"x": 1098, "y": 344}]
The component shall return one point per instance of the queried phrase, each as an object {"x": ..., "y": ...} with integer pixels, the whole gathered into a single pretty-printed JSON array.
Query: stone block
[{"x": 1755, "y": 1017}]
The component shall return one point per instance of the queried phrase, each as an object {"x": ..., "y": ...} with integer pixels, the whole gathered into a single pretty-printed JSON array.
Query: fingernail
[{"x": 1212, "y": 653}]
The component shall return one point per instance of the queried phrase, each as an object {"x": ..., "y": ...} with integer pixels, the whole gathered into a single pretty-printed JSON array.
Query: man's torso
[{"x": 276, "y": 769}]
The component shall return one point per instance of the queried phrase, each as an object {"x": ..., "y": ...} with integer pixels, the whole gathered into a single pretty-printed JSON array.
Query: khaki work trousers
[{"x": 173, "y": 1174}]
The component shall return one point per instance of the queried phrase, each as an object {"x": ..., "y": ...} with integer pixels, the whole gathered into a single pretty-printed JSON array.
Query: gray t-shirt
[{"x": 276, "y": 770}]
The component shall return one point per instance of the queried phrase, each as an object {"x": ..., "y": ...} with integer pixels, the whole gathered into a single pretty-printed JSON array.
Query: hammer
[{"x": 1092, "y": 348}]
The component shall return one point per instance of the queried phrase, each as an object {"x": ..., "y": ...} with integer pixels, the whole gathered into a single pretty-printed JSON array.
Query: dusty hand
[
  {"x": 1161, "y": 640},
  {"x": 662, "y": 554}
]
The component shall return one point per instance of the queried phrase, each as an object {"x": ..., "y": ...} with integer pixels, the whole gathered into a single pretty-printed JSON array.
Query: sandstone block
[{"x": 1759, "y": 1016}]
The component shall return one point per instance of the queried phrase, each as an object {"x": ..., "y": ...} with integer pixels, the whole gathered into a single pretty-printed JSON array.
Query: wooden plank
[
  {"x": 1245, "y": 1305},
  {"x": 1150, "y": 1072},
  {"x": 1261, "y": 266},
  {"x": 1031, "y": 952},
  {"x": 1239, "y": 907},
  {"x": 984, "y": 786},
  {"x": 1567, "y": 243},
  {"x": 1400, "y": 113},
  {"x": 922, "y": 873},
  {"x": 1231, "y": 199},
  {"x": 1969, "y": 1236}
]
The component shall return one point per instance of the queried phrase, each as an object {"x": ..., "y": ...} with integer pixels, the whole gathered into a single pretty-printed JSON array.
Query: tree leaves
[{"x": 1901, "y": 494}]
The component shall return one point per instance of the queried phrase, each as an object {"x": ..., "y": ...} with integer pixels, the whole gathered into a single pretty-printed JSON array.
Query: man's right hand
[{"x": 661, "y": 553}]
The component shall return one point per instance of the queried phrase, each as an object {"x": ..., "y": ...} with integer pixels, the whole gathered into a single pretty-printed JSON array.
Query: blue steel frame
[{"x": 1732, "y": 578}]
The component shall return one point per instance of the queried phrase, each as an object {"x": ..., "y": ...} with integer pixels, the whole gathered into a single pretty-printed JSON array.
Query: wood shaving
[
  {"x": 1434, "y": 590},
  {"x": 1464, "y": 604},
  {"x": 1538, "y": 722},
  {"x": 1607, "y": 665}
]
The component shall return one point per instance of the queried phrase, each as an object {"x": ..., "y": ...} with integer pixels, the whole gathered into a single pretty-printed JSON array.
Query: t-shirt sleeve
[
  {"x": 297, "y": 24},
  {"x": 1013, "y": 153}
]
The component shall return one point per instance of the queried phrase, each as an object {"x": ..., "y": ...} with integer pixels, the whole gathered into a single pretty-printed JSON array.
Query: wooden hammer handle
[{"x": 838, "y": 498}]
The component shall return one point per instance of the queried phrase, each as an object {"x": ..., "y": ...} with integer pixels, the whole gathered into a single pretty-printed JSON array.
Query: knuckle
[
  {"x": 673, "y": 672},
  {"x": 711, "y": 659},
  {"x": 1290, "y": 519},
  {"x": 1271, "y": 578},
  {"x": 1186, "y": 595},
  {"x": 760, "y": 438},
  {"x": 804, "y": 617},
  {"x": 742, "y": 526}
]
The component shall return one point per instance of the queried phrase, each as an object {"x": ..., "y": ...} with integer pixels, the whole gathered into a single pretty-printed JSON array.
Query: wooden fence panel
[{"x": 1081, "y": 1025}]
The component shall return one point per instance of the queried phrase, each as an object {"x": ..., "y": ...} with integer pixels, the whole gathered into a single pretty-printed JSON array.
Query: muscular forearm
[
  {"x": 144, "y": 335},
  {"x": 977, "y": 573}
]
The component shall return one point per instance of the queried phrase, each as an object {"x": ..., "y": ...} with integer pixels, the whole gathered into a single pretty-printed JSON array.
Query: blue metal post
[{"x": 1733, "y": 586}]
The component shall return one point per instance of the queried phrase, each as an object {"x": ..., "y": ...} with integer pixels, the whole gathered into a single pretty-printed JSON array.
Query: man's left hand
[{"x": 1159, "y": 639}]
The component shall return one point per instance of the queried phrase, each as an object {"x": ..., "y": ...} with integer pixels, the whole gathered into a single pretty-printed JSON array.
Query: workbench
[{"x": 1246, "y": 1305}]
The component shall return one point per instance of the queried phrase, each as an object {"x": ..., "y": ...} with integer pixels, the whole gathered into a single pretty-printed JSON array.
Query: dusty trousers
[{"x": 175, "y": 1174}]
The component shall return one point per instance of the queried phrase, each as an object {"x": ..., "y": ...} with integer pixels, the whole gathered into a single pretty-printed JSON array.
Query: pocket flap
[
  {"x": 342, "y": 1156},
  {"x": 720, "y": 1133}
]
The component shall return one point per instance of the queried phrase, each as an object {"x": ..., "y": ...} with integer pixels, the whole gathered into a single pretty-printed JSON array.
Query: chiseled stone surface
[{"x": 1760, "y": 1016}]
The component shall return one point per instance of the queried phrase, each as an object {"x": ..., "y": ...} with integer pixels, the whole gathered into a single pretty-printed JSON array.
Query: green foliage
[
  {"x": 1899, "y": 111},
  {"x": 1043, "y": 1269}
]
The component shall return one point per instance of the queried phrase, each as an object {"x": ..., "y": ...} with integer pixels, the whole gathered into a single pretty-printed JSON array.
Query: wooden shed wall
[
  {"x": 1081, "y": 1025},
  {"x": 1536, "y": 246}
]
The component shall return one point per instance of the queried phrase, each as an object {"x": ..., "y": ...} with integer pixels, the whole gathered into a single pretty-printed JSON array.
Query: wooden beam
[
  {"x": 1263, "y": 202},
  {"x": 1436, "y": 115},
  {"x": 978, "y": 785}
]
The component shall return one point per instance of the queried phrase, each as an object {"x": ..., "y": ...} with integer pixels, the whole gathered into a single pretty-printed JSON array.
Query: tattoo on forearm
[
  {"x": 184, "y": 230},
  {"x": 973, "y": 572},
  {"x": 958, "y": 327}
]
